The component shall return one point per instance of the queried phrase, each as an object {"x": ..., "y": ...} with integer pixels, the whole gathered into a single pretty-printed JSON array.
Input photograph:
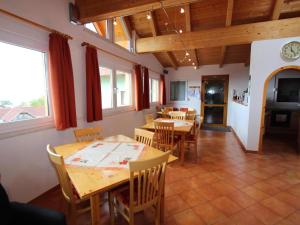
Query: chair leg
[
  {"x": 131, "y": 218},
  {"x": 157, "y": 215},
  {"x": 72, "y": 215},
  {"x": 111, "y": 209}
]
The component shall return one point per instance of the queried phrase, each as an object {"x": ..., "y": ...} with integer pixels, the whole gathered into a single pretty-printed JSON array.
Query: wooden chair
[
  {"x": 192, "y": 139},
  {"x": 76, "y": 206},
  {"x": 149, "y": 118},
  {"x": 146, "y": 187},
  {"x": 144, "y": 136},
  {"x": 184, "y": 109},
  {"x": 164, "y": 135},
  {"x": 190, "y": 115},
  {"x": 178, "y": 115},
  {"x": 165, "y": 112},
  {"x": 88, "y": 134}
]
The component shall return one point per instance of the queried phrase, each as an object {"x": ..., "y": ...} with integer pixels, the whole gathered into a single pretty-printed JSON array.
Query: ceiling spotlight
[
  {"x": 180, "y": 31},
  {"x": 190, "y": 60},
  {"x": 187, "y": 54},
  {"x": 115, "y": 22},
  {"x": 149, "y": 16},
  {"x": 193, "y": 64},
  {"x": 181, "y": 10},
  {"x": 195, "y": 67}
]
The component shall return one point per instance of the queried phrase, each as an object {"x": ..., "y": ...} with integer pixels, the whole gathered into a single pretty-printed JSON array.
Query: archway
[{"x": 266, "y": 84}]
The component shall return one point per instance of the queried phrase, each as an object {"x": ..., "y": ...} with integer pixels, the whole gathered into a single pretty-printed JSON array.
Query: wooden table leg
[
  {"x": 182, "y": 140},
  {"x": 162, "y": 207},
  {"x": 95, "y": 210}
]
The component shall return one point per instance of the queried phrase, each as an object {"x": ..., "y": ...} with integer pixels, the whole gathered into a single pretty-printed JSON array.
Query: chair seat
[{"x": 122, "y": 194}]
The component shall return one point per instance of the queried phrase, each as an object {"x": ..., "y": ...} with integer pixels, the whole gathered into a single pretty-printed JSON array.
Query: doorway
[
  {"x": 280, "y": 118},
  {"x": 214, "y": 97}
]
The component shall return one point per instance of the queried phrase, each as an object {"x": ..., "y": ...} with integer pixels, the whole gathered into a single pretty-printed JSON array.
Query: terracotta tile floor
[{"x": 225, "y": 187}]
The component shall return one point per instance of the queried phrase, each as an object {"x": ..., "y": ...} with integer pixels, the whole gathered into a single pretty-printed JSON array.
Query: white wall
[
  {"x": 24, "y": 166},
  {"x": 238, "y": 79},
  {"x": 265, "y": 58}
]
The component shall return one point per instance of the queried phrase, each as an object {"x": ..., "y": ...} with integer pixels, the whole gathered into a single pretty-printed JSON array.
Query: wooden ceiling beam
[
  {"x": 228, "y": 22},
  {"x": 100, "y": 30},
  {"x": 218, "y": 37},
  {"x": 188, "y": 26},
  {"x": 97, "y": 10},
  {"x": 153, "y": 24},
  {"x": 154, "y": 31},
  {"x": 127, "y": 26},
  {"x": 277, "y": 9},
  {"x": 173, "y": 60}
]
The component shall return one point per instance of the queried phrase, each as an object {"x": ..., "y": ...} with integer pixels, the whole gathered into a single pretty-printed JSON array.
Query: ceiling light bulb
[
  {"x": 187, "y": 54},
  {"x": 180, "y": 31},
  {"x": 149, "y": 16},
  {"x": 193, "y": 64},
  {"x": 195, "y": 67},
  {"x": 190, "y": 60},
  {"x": 115, "y": 22},
  {"x": 181, "y": 10}
]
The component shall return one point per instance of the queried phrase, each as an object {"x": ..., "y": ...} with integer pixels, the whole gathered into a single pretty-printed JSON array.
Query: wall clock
[{"x": 291, "y": 50}]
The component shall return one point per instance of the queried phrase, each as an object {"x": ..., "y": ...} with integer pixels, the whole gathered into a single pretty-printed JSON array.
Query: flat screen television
[{"x": 288, "y": 90}]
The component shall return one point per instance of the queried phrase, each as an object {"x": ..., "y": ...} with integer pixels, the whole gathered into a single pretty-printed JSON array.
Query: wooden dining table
[
  {"x": 89, "y": 182},
  {"x": 181, "y": 131}
]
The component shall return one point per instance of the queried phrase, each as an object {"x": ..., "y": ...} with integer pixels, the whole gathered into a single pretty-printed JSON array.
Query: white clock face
[{"x": 291, "y": 50}]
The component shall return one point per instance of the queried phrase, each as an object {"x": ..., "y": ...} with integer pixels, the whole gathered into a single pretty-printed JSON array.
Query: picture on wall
[{"x": 193, "y": 93}]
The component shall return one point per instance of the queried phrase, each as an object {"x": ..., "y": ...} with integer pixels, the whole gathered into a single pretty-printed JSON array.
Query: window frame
[
  {"x": 118, "y": 109},
  {"x": 150, "y": 91},
  {"x": 16, "y": 128},
  {"x": 131, "y": 90},
  {"x": 185, "y": 95},
  {"x": 112, "y": 87}
]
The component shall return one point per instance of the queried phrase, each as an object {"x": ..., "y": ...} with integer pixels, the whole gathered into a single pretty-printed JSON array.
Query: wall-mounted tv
[{"x": 288, "y": 90}]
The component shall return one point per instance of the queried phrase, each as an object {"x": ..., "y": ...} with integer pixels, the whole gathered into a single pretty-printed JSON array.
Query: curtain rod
[
  {"x": 123, "y": 58},
  {"x": 35, "y": 24}
]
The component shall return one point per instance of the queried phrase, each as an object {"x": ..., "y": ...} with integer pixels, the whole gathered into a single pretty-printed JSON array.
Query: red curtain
[
  {"x": 93, "y": 86},
  {"x": 146, "y": 100},
  {"x": 61, "y": 82},
  {"x": 163, "y": 98},
  {"x": 138, "y": 88}
]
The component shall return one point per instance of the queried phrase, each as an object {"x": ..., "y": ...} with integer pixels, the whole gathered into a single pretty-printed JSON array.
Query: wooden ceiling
[{"x": 206, "y": 15}]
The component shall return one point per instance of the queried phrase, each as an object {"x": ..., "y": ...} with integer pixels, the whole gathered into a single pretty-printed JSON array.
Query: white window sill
[
  {"x": 115, "y": 111},
  {"x": 13, "y": 129}
]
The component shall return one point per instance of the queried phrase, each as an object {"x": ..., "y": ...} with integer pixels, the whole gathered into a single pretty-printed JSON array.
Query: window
[
  {"x": 97, "y": 27},
  {"x": 121, "y": 37},
  {"x": 106, "y": 88},
  {"x": 116, "y": 88},
  {"x": 123, "y": 81},
  {"x": 23, "y": 89},
  {"x": 154, "y": 90},
  {"x": 91, "y": 27},
  {"x": 177, "y": 90}
]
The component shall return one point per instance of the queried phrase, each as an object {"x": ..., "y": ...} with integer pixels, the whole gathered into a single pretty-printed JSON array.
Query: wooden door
[{"x": 214, "y": 97}]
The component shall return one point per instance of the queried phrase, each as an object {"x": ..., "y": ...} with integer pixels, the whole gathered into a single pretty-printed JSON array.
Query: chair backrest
[
  {"x": 88, "y": 134},
  {"x": 144, "y": 136},
  {"x": 178, "y": 115},
  {"x": 164, "y": 133},
  {"x": 149, "y": 118},
  {"x": 190, "y": 115},
  {"x": 184, "y": 109},
  {"x": 168, "y": 109},
  {"x": 147, "y": 182},
  {"x": 59, "y": 165}
]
